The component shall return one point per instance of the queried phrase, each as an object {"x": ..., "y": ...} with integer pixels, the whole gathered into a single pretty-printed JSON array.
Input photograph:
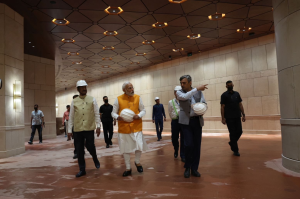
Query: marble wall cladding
[
  {"x": 11, "y": 70},
  {"x": 251, "y": 65},
  {"x": 39, "y": 77}
]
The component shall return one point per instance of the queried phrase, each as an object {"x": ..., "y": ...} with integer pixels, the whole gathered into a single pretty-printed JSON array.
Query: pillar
[
  {"x": 287, "y": 34},
  {"x": 12, "y": 75}
]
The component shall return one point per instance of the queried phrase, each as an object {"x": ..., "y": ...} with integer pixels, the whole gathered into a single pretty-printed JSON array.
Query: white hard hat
[
  {"x": 127, "y": 115},
  {"x": 156, "y": 98},
  {"x": 81, "y": 83},
  {"x": 199, "y": 108},
  {"x": 177, "y": 88}
]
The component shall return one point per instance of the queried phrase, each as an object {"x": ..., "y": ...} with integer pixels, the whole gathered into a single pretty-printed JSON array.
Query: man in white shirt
[
  {"x": 130, "y": 135},
  {"x": 174, "y": 109},
  {"x": 37, "y": 123},
  {"x": 85, "y": 118}
]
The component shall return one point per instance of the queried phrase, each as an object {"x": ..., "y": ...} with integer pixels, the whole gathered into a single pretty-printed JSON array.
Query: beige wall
[
  {"x": 39, "y": 86},
  {"x": 251, "y": 65},
  {"x": 11, "y": 70}
]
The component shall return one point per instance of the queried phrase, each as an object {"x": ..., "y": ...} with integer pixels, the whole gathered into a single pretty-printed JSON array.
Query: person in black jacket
[{"x": 107, "y": 121}]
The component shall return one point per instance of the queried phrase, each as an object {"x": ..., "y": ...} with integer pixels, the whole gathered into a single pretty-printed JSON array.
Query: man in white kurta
[{"x": 130, "y": 135}]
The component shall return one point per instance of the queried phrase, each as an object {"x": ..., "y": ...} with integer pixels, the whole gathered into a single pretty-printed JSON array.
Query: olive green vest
[{"x": 84, "y": 116}]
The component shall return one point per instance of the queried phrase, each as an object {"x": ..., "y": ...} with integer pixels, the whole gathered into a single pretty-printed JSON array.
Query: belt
[{"x": 194, "y": 117}]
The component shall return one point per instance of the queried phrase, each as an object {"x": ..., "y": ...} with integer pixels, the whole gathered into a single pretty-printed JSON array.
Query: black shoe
[
  {"x": 175, "y": 154},
  {"x": 187, "y": 173},
  {"x": 81, "y": 173},
  {"x": 139, "y": 168},
  {"x": 236, "y": 153},
  {"x": 158, "y": 140},
  {"x": 40, "y": 142},
  {"x": 97, "y": 163},
  {"x": 107, "y": 145},
  {"x": 127, "y": 173},
  {"x": 182, "y": 159},
  {"x": 195, "y": 173},
  {"x": 30, "y": 143},
  {"x": 75, "y": 156},
  {"x": 110, "y": 143}
]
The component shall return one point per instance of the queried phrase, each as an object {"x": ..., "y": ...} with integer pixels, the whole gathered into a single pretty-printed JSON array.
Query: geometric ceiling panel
[{"x": 88, "y": 22}]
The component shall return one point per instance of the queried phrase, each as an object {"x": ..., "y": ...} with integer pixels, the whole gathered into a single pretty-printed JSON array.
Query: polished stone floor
[{"x": 48, "y": 171}]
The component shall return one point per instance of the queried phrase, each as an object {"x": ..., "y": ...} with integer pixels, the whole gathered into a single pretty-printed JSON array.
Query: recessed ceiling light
[
  {"x": 108, "y": 48},
  {"x": 113, "y": 10},
  {"x": 33, "y": 46},
  {"x": 107, "y": 58},
  {"x": 243, "y": 30},
  {"x": 73, "y": 53},
  {"x": 77, "y": 62},
  {"x": 29, "y": 42},
  {"x": 68, "y": 40},
  {"x": 105, "y": 66},
  {"x": 194, "y": 36},
  {"x": 177, "y": 1},
  {"x": 105, "y": 72},
  {"x": 160, "y": 25},
  {"x": 60, "y": 22},
  {"x": 140, "y": 54},
  {"x": 216, "y": 17},
  {"x": 110, "y": 33},
  {"x": 178, "y": 50},
  {"x": 147, "y": 42}
]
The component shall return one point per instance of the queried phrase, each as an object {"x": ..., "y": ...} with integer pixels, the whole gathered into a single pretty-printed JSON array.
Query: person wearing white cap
[
  {"x": 157, "y": 117},
  {"x": 129, "y": 109},
  {"x": 174, "y": 110},
  {"x": 191, "y": 123},
  {"x": 85, "y": 118}
]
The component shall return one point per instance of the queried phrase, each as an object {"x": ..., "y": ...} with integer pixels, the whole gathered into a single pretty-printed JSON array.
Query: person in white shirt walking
[
  {"x": 85, "y": 118},
  {"x": 174, "y": 109},
  {"x": 37, "y": 123}
]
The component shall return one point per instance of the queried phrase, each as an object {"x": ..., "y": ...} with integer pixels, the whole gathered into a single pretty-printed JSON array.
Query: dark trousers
[
  {"x": 234, "y": 126},
  {"x": 34, "y": 128},
  {"x": 108, "y": 131},
  {"x": 89, "y": 138},
  {"x": 192, "y": 134},
  {"x": 176, "y": 131},
  {"x": 159, "y": 124},
  {"x": 74, "y": 137},
  {"x": 65, "y": 128}
]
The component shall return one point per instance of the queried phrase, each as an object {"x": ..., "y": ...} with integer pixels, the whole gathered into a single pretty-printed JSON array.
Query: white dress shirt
[
  {"x": 37, "y": 117},
  {"x": 116, "y": 107},
  {"x": 172, "y": 111},
  {"x": 96, "y": 112}
]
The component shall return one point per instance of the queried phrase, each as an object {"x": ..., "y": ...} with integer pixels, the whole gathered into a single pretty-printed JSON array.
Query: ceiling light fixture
[
  {"x": 108, "y": 48},
  {"x": 194, "y": 36},
  {"x": 113, "y": 10},
  {"x": 160, "y": 25},
  {"x": 68, "y": 40},
  {"x": 105, "y": 66},
  {"x": 110, "y": 33},
  {"x": 77, "y": 62},
  {"x": 140, "y": 54},
  {"x": 216, "y": 17},
  {"x": 135, "y": 63},
  {"x": 147, "y": 42},
  {"x": 244, "y": 30},
  {"x": 177, "y": 1},
  {"x": 178, "y": 50},
  {"x": 105, "y": 72},
  {"x": 60, "y": 22},
  {"x": 107, "y": 58},
  {"x": 73, "y": 53}
]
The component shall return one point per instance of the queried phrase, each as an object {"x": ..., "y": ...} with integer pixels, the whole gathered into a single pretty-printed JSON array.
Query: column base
[{"x": 293, "y": 165}]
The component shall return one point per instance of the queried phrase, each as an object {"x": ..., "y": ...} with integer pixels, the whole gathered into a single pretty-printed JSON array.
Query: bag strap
[{"x": 175, "y": 107}]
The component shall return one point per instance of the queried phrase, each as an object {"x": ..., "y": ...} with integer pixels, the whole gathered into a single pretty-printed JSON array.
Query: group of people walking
[{"x": 84, "y": 115}]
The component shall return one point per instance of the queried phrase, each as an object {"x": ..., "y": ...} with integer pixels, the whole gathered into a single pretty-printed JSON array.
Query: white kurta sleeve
[
  {"x": 186, "y": 96},
  {"x": 141, "y": 109},
  {"x": 71, "y": 118},
  {"x": 170, "y": 109},
  {"x": 96, "y": 112},
  {"x": 115, "y": 111}
]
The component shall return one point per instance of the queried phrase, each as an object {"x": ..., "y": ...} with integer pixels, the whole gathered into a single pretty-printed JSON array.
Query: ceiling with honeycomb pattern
[{"x": 88, "y": 22}]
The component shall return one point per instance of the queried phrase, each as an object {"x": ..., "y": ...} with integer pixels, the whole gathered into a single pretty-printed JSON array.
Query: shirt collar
[{"x": 82, "y": 97}]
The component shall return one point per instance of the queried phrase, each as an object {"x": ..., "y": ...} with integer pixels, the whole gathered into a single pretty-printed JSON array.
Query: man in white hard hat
[
  {"x": 190, "y": 124},
  {"x": 130, "y": 135},
  {"x": 174, "y": 110},
  {"x": 85, "y": 118},
  {"x": 157, "y": 117}
]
